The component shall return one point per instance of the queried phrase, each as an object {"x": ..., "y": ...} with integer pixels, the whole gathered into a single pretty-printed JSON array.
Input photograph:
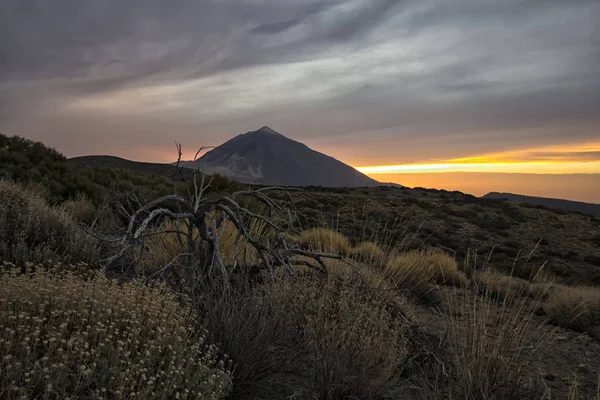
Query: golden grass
[
  {"x": 325, "y": 240},
  {"x": 368, "y": 253},
  {"x": 81, "y": 208},
  {"x": 540, "y": 290},
  {"x": 495, "y": 282},
  {"x": 577, "y": 308},
  {"x": 424, "y": 266},
  {"x": 161, "y": 249},
  {"x": 258, "y": 229},
  {"x": 70, "y": 336}
]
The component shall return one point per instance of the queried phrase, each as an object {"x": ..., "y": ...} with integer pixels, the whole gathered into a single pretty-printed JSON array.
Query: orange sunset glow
[
  {"x": 552, "y": 171},
  {"x": 579, "y": 159}
]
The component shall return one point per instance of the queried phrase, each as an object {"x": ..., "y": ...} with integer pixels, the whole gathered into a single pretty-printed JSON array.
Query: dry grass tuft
[
  {"x": 31, "y": 230},
  {"x": 489, "y": 355},
  {"x": 577, "y": 308},
  {"x": 355, "y": 345},
  {"x": 161, "y": 249},
  {"x": 368, "y": 253},
  {"x": 69, "y": 336},
  {"x": 81, "y": 208},
  {"x": 496, "y": 283},
  {"x": 351, "y": 273},
  {"x": 309, "y": 337},
  {"x": 267, "y": 352},
  {"x": 540, "y": 290},
  {"x": 247, "y": 255},
  {"x": 325, "y": 240},
  {"x": 423, "y": 267}
]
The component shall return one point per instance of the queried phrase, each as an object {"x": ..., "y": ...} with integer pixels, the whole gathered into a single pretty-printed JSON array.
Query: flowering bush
[{"x": 66, "y": 335}]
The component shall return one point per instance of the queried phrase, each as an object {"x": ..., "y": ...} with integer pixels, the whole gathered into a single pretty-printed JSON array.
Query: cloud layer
[{"x": 369, "y": 81}]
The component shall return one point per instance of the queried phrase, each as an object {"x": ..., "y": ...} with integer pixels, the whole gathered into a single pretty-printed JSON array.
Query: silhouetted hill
[
  {"x": 558, "y": 204},
  {"x": 112, "y": 161}
]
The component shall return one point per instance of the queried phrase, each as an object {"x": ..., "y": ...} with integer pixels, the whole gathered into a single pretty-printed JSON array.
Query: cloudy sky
[{"x": 371, "y": 82}]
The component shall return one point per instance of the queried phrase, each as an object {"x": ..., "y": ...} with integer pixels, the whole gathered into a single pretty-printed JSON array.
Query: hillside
[
  {"x": 112, "y": 161},
  {"x": 557, "y": 204},
  {"x": 569, "y": 243},
  {"x": 267, "y": 157},
  {"x": 478, "y": 308},
  {"x": 98, "y": 178}
]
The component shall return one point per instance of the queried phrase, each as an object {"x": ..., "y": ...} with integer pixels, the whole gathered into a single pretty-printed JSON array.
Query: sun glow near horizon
[
  {"x": 539, "y": 167},
  {"x": 579, "y": 159}
]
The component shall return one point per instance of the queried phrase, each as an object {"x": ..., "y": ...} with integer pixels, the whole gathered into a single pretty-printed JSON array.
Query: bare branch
[
  {"x": 167, "y": 266},
  {"x": 203, "y": 216}
]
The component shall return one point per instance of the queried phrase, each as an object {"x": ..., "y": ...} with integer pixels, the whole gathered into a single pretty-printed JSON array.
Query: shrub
[
  {"x": 355, "y": 345},
  {"x": 325, "y": 240},
  {"x": 489, "y": 360},
  {"x": 268, "y": 355},
  {"x": 308, "y": 337},
  {"x": 69, "y": 336},
  {"x": 496, "y": 283},
  {"x": 574, "y": 307},
  {"x": 31, "y": 230},
  {"x": 351, "y": 273},
  {"x": 82, "y": 208},
  {"x": 420, "y": 267},
  {"x": 368, "y": 252},
  {"x": 483, "y": 356}
]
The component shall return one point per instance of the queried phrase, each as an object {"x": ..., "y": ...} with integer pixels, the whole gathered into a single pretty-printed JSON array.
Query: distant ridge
[
  {"x": 558, "y": 204},
  {"x": 112, "y": 161},
  {"x": 267, "y": 157}
]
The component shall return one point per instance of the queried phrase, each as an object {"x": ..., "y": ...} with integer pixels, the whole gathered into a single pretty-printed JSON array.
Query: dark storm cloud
[{"x": 472, "y": 73}]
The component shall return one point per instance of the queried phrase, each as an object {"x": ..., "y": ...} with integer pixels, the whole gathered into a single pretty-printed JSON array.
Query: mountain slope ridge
[{"x": 265, "y": 156}]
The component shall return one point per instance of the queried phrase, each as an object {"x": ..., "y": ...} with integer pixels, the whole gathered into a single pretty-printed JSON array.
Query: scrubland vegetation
[
  {"x": 78, "y": 334},
  {"x": 379, "y": 319}
]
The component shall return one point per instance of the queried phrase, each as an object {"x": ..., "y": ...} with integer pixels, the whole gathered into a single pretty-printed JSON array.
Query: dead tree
[{"x": 197, "y": 218}]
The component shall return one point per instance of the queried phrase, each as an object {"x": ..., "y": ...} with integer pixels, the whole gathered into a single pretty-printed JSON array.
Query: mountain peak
[
  {"x": 267, "y": 157},
  {"x": 268, "y": 131}
]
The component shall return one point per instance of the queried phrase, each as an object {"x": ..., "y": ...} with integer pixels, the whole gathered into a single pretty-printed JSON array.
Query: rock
[{"x": 561, "y": 338}]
